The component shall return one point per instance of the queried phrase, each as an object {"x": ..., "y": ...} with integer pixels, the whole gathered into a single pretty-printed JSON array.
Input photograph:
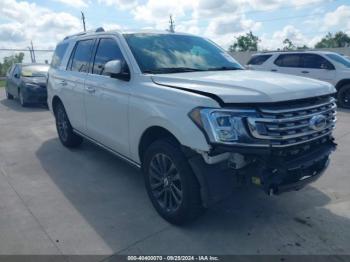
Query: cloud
[
  {"x": 122, "y": 4},
  {"x": 74, "y": 3},
  {"x": 340, "y": 18},
  {"x": 28, "y": 21}
]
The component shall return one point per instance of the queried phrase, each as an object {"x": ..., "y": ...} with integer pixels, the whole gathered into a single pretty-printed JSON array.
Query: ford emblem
[{"x": 318, "y": 122}]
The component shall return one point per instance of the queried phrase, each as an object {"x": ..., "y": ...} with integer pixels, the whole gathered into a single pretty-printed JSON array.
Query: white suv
[
  {"x": 325, "y": 66},
  {"x": 185, "y": 112}
]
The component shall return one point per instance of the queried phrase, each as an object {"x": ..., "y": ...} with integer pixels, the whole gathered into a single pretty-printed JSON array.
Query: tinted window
[
  {"x": 315, "y": 61},
  {"x": 16, "y": 71},
  {"x": 58, "y": 55},
  {"x": 107, "y": 50},
  {"x": 172, "y": 53},
  {"x": 288, "y": 60},
  {"x": 258, "y": 60},
  {"x": 81, "y": 57}
]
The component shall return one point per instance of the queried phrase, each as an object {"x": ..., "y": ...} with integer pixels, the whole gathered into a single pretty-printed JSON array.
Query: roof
[
  {"x": 295, "y": 51},
  {"x": 100, "y": 30}
]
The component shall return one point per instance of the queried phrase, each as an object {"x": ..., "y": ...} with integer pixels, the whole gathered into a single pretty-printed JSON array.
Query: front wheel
[
  {"x": 171, "y": 185},
  {"x": 8, "y": 95},
  {"x": 22, "y": 100},
  {"x": 64, "y": 129},
  {"x": 343, "y": 96}
]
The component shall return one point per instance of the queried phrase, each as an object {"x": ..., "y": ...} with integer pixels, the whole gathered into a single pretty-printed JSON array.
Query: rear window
[
  {"x": 258, "y": 60},
  {"x": 58, "y": 55},
  {"x": 288, "y": 60}
]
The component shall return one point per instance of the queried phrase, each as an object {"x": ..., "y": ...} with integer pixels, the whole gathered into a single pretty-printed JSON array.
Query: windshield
[
  {"x": 340, "y": 59},
  {"x": 172, "y": 53},
  {"x": 35, "y": 71}
]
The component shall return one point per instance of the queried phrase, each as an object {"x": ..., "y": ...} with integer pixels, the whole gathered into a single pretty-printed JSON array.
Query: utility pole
[
  {"x": 171, "y": 24},
  {"x": 31, "y": 54},
  {"x": 83, "y": 18},
  {"x": 33, "y": 59}
]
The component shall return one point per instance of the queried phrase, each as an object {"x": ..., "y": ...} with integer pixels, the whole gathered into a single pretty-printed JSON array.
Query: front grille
[{"x": 286, "y": 124}]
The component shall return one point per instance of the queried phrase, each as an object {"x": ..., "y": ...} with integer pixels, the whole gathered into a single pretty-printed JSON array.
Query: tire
[
  {"x": 343, "y": 96},
  {"x": 64, "y": 129},
  {"x": 8, "y": 95},
  {"x": 21, "y": 99},
  {"x": 171, "y": 185}
]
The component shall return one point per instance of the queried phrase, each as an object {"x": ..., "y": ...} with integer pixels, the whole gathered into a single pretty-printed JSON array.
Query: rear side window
[
  {"x": 288, "y": 60},
  {"x": 81, "y": 58},
  {"x": 258, "y": 60},
  {"x": 315, "y": 61},
  {"x": 107, "y": 50},
  {"x": 58, "y": 55}
]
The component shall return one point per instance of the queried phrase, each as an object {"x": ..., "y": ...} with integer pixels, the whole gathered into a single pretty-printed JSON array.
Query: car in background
[
  {"x": 326, "y": 66},
  {"x": 27, "y": 82}
]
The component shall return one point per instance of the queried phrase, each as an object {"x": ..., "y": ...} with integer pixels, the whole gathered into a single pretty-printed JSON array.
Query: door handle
[
  {"x": 273, "y": 70},
  {"x": 90, "y": 89},
  {"x": 305, "y": 72},
  {"x": 63, "y": 83}
]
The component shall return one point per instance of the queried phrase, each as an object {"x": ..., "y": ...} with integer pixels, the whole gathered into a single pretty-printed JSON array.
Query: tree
[
  {"x": 288, "y": 44},
  {"x": 247, "y": 42},
  {"x": 9, "y": 61},
  {"x": 340, "y": 39}
]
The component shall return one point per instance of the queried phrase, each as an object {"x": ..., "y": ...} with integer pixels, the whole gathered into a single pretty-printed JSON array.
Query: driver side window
[{"x": 107, "y": 50}]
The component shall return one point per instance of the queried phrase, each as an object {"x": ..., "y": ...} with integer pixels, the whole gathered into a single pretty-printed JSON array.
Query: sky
[{"x": 46, "y": 22}]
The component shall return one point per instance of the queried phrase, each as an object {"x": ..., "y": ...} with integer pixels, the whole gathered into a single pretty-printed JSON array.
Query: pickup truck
[{"x": 187, "y": 114}]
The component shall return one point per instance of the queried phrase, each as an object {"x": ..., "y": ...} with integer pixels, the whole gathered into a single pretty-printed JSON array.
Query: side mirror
[
  {"x": 16, "y": 75},
  {"x": 327, "y": 67},
  {"x": 113, "y": 68},
  {"x": 117, "y": 69}
]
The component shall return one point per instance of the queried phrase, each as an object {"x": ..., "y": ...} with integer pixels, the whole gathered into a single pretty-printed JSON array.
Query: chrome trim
[
  {"x": 332, "y": 100},
  {"x": 302, "y": 142},
  {"x": 137, "y": 165},
  {"x": 291, "y": 119},
  {"x": 287, "y": 127}
]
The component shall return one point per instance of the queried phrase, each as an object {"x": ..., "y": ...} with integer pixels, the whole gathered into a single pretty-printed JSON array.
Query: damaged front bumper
[{"x": 274, "y": 171}]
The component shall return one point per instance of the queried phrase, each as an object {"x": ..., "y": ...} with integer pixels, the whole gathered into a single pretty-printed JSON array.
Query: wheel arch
[
  {"x": 55, "y": 101},
  {"x": 342, "y": 83},
  {"x": 152, "y": 134}
]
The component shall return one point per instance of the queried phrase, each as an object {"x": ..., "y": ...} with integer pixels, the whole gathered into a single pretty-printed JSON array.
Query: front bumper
[
  {"x": 274, "y": 171},
  {"x": 35, "y": 95}
]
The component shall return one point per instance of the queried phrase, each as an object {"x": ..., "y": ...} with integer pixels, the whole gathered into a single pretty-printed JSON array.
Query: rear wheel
[
  {"x": 170, "y": 183},
  {"x": 8, "y": 95},
  {"x": 64, "y": 129},
  {"x": 343, "y": 96}
]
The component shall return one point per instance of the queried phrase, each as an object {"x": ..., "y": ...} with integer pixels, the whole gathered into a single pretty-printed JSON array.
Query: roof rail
[{"x": 97, "y": 30}]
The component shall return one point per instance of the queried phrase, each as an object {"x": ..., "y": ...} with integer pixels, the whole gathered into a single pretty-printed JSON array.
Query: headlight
[{"x": 221, "y": 125}]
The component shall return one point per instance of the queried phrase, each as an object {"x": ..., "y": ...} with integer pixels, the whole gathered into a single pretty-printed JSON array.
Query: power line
[{"x": 26, "y": 50}]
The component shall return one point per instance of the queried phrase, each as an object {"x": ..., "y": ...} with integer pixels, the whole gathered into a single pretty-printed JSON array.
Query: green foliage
[
  {"x": 340, "y": 39},
  {"x": 288, "y": 44},
  {"x": 9, "y": 61},
  {"x": 248, "y": 42}
]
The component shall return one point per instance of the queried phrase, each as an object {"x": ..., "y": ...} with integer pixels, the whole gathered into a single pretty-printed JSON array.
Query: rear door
[
  {"x": 106, "y": 99},
  {"x": 287, "y": 64},
  {"x": 317, "y": 67},
  {"x": 73, "y": 82}
]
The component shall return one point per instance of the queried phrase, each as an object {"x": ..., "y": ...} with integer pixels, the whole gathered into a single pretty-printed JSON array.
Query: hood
[
  {"x": 41, "y": 81},
  {"x": 245, "y": 86}
]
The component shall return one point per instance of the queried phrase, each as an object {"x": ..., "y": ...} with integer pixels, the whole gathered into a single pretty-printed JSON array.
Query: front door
[{"x": 106, "y": 100}]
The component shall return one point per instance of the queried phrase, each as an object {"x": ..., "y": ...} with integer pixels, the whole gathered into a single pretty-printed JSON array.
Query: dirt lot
[{"x": 86, "y": 201}]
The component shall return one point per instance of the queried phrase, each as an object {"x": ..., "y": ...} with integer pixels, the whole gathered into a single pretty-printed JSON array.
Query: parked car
[
  {"x": 185, "y": 112},
  {"x": 321, "y": 65},
  {"x": 27, "y": 82}
]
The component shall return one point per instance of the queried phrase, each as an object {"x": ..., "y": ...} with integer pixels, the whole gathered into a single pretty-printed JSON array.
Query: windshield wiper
[
  {"x": 166, "y": 70},
  {"x": 223, "y": 68}
]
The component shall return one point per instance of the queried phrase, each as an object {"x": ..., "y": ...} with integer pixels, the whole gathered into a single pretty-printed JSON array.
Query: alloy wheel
[
  {"x": 165, "y": 182},
  {"x": 62, "y": 124}
]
